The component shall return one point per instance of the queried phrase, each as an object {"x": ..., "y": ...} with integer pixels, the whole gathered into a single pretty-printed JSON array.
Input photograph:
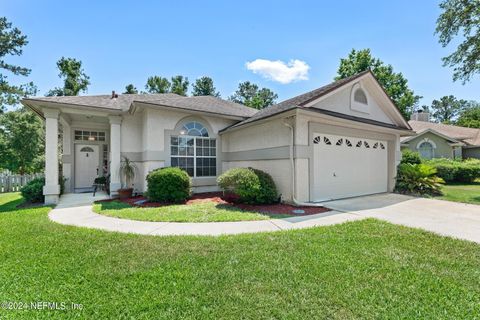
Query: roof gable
[
  {"x": 391, "y": 115},
  {"x": 470, "y": 136},
  {"x": 379, "y": 106},
  {"x": 432, "y": 131},
  {"x": 342, "y": 101}
]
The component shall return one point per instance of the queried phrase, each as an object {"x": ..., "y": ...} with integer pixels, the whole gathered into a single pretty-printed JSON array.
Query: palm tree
[{"x": 128, "y": 169}]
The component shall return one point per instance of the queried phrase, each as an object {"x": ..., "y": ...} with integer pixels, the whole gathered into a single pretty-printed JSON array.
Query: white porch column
[
  {"x": 396, "y": 154},
  {"x": 115, "y": 131},
  {"x": 51, "y": 190},
  {"x": 67, "y": 153}
]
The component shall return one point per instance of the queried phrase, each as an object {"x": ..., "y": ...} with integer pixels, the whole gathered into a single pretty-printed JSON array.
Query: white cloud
[{"x": 280, "y": 71}]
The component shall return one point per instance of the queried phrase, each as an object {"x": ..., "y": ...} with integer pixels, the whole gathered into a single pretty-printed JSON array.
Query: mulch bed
[{"x": 229, "y": 200}]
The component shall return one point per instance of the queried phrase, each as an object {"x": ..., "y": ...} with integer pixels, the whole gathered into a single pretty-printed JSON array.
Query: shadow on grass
[
  {"x": 475, "y": 183},
  {"x": 20, "y": 205},
  {"x": 11, "y": 205}
]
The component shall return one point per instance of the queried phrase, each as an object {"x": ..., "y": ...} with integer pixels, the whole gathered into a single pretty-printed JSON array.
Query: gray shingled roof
[
  {"x": 204, "y": 104},
  {"x": 298, "y": 101},
  {"x": 124, "y": 101}
]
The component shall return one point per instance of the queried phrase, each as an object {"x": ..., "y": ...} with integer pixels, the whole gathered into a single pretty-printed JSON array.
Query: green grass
[
  {"x": 198, "y": 212},
  {"x": 366, "y": 269},
  {"x": 467, "y": 193}
]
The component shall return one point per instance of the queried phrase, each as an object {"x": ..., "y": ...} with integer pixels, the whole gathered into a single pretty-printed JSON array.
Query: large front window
[{"x": 194, "y": 151}]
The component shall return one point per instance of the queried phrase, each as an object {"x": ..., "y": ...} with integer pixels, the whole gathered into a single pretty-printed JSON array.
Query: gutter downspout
[{"x": 289, "y": 122}]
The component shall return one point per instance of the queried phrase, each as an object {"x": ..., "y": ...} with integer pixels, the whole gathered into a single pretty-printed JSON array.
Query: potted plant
[{"x": 127, "y": 169}]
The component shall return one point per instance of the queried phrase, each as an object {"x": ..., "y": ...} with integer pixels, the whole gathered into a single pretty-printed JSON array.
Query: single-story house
[
  {"x": 438, "y": 140},
  {"x": 341, "y": 140}
]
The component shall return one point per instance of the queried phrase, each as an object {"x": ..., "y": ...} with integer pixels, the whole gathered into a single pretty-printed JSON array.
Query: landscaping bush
[
  {"x": 33, "y": 191},
  {"x": 252, "y": 186},
  {"x": 409, "y": 156},
  {"x": 168, "y": 185},
  {"x": 418, "y": 179},
  {"x": 456, "y": 170}
]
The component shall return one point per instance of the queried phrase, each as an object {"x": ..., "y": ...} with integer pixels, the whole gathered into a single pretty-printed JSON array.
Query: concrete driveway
[{"x": 447, "y": 218}]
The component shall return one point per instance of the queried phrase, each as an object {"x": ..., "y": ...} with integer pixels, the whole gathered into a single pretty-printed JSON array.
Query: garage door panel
[{"x": 348, "y": 166}]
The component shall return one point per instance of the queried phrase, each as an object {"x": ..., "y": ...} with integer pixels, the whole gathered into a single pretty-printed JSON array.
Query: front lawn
[
  {"x": 206, "y": 211},
  {"x": 467, "y": 193},
  {"x": 364, "y": 269}
]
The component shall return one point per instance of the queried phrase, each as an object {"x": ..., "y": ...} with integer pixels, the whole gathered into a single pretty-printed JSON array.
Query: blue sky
[{"x": 121, "y": 42}]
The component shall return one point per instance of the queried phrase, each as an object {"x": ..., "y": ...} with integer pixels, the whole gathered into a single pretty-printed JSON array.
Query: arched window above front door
[{"x": 86, "y": 149}]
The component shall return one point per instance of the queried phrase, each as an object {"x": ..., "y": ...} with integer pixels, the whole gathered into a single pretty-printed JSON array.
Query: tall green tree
[
  {"x": 180, "y": 85},
  {"x": 395, "y": 84},
  {"x": 470, "y": 117},
  {"x": 74, "y": 78},
  {"x": 157, "y": 84},
  {"x": 204, "y": 87},
  {"x": 130, "y": 89},
  {"x": 250, "y": 95},
  {"x": 22, "y": 147},
  {"x": 460, "y": 22},
  {"x": 12, "y": 42},
  {"x": 447, "y": 108}
]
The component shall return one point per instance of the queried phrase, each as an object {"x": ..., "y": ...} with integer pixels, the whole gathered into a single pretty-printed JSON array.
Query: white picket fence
[{"x": 13, "y": 182}]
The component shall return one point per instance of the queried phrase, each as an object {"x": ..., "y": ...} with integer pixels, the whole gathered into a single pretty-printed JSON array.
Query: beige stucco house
[
  {"x": 438, "y": 140},
  {"x": 338, "y": 141}
]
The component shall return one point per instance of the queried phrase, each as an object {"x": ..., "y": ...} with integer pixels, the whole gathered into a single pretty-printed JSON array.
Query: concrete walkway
[
  {"x": 72, "y": 200},
  {"x": 446, "y": 218},
  {"x": 76, "y": 210},
  {"x": 454, "y": 219},
  {"x": 83, "y": 216}
]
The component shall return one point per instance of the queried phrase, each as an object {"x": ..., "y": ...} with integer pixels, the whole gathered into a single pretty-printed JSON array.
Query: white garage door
[{"x": 347, "y": 167}]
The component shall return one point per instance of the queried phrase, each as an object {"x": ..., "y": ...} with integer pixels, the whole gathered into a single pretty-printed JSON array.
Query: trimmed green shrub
[
  {"x": 456, "y": 170},
  {"x": 418, "y": 179},
  {"x": 252, "y": 186},
  {"x": 168, "y": 185},
  {"x": 33, "y": 191},
  {"x": 409, "y": 156}
]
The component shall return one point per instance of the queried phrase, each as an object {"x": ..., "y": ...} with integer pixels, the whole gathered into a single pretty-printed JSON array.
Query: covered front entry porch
[{"x": 80, "y": 147}]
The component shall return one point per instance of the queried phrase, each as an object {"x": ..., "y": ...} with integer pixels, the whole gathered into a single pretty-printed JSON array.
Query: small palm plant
[
  {"x": 418, "y": 179},
  {"x": 127, "y": 169}
]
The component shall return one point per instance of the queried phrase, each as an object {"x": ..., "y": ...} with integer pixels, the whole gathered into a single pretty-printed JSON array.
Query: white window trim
[
  {"x": 430, "y": 142},
  {"x": 195, "y": 154}
]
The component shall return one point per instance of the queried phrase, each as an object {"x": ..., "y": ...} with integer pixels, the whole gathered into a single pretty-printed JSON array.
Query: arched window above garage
[
  {"x": 359, "y": 100},
  {"x": 360, "y": 96}
]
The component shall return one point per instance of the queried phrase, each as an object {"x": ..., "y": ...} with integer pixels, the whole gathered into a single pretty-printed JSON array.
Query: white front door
[
  {"x": 86, "y": 165},
  {"x": 348, "y": 166}
]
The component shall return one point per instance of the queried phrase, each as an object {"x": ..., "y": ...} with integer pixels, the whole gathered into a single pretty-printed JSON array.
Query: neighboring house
[
  {"x": 438, "y": 140},
  {"x": 338, "y": 141}
]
